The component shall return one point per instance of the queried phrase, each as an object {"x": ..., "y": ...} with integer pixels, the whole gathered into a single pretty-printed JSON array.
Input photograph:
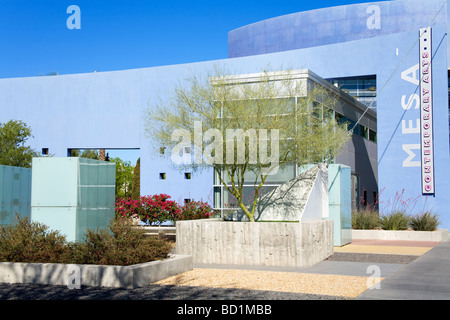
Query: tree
[
  {"x": 13, "y": 151},
  {"x": 87, "y": 153},
  {"x": 228, "y": 121},
  {"x": 124, "y": 177},
  {"x": 136, "y": 187}
]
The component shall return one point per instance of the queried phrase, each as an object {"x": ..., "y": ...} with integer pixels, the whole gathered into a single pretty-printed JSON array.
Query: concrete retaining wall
[
  {"x": 438, "y": 235},
  {"x": 95, "y": 275},
  {"x": 255, "y": 243}
]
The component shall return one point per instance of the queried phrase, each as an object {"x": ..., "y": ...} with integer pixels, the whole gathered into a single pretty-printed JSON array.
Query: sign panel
[{"x": 426, "y": 111}]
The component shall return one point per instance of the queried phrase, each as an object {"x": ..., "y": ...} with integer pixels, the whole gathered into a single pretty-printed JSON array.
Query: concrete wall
[
  {"x": 134, "y": 276},
  {"x": 255, "y": 243},
  {"x": 403, "y": 235}
]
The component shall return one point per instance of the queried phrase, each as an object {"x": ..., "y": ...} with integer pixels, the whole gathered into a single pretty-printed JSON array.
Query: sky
[{"x": 35, "y": 39}]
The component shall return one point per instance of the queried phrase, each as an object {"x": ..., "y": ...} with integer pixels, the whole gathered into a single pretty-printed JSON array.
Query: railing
[{"x": 161, "y": 232}]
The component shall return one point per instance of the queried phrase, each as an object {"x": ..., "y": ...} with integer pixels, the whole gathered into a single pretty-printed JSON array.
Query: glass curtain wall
[{"x": 363, "y": 89}]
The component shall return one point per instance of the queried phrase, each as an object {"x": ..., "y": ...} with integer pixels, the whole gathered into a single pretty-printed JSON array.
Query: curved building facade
[{"x": 372, "y": 51}]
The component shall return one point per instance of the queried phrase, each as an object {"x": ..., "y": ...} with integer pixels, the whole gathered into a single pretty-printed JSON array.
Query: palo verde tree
[{"x": 247, "y": 127}]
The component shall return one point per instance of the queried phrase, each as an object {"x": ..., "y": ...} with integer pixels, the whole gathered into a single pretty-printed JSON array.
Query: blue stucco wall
[
  {"x": 106, "y": 110},
  {"x": 332, "y": 25}
]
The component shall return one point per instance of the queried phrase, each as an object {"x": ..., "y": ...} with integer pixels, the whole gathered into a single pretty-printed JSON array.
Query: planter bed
[
  {"x": 296, "y": 244},
  {"x": 407, "y": 235},
  {"x": 133, "y": 276}
]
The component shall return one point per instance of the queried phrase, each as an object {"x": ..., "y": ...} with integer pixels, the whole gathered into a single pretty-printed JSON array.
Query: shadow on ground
[{"x": 152, "y": 292}]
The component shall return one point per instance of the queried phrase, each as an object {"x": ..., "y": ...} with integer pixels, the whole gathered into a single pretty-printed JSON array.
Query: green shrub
[
  {"x": 26, "y": 241},
  {"x": 122, "y": 245},
  {"x": 365, "y": 219},
  {"x": 398, "y": 220},
  {"x": 425, "y": 221}
]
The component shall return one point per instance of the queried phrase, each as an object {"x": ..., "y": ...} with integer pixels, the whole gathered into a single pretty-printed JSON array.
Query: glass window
[
  {"x": 372, "y": 136},
  {"x": 363, "y": 89}
]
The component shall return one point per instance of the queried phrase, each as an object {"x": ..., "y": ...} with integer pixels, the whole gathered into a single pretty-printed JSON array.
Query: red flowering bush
[
  {"x": 157, "y": 208},
  {"x": 196, "y": 210}
]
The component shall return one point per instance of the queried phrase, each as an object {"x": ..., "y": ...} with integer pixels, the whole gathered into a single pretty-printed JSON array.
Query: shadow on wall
[
  {"x": 361, "y": 165},
  {"x": 302, "y": 198}
]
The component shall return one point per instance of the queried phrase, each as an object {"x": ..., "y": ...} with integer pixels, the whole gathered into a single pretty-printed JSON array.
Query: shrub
[
  {"x": 365, "y": 219},
  {"x": 26, "y": 241},
  {"x": 397, "y": 220},
  {"x": 149, "y": 209},
  {"x": 195, "y": 210},
  {"x": 425, "y": 221},
  {"x": 122, "y": 245},
  {"x": 159, "y": 208}
]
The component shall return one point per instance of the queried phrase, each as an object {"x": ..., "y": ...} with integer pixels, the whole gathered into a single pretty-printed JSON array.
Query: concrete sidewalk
[{"x": 425, "y": 278}]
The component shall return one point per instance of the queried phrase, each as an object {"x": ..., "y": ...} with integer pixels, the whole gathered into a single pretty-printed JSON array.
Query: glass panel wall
[{"x": 363, "y": 89}]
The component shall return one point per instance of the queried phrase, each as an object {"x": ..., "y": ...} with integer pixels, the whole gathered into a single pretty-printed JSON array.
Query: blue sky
[{"x": 119, "y": 34}]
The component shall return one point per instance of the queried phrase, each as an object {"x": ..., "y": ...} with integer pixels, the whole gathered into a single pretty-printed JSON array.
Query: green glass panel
[
  {"x": 54, "y": 182},
  {"x": 88, "y": 190},
  {"x": 339, "y": 197},
  {"x": 57, "y": 218},
  {"x": 15, "y": 193}
]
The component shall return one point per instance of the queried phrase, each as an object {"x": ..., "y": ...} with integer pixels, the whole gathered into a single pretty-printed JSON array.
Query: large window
[{"x": 363, "y": 89}]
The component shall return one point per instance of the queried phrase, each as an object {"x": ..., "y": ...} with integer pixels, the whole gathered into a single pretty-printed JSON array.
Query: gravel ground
[
  {"x": 207, "y": 284},
  {"x": 372, "y": 257},
  {"x": 291, "y": 282}
]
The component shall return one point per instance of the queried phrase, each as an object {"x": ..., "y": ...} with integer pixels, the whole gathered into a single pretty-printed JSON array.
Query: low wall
[
  {"x": 255, "y": 243},
  {"x": 134, "y": 276},
  {"x": 437, "y": 236}
]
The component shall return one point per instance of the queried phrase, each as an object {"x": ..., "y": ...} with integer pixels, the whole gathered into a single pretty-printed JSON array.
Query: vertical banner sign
[{"x": 426, "y": 111}]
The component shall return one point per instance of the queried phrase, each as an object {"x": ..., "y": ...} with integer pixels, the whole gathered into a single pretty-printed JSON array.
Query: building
[
  {"x": 379, "y": 52},
  {"x": 360, "y": 153}
]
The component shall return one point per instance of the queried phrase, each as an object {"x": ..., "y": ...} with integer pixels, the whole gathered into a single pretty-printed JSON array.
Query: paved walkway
[
  {"x": 425, "y": 278},
  {"x": 410, "y": 269}
]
